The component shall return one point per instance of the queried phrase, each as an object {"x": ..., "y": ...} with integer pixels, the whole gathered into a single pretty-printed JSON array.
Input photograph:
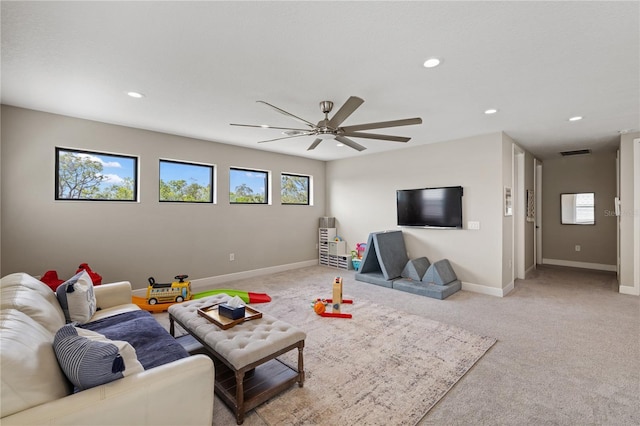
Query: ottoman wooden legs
[{"x": 246, "y": 388}]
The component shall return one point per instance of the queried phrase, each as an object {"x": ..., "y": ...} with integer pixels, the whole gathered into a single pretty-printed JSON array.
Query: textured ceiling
[{"x": 202, "y": 66}]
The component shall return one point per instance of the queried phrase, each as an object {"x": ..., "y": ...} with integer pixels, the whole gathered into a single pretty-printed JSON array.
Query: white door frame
[
  {"x": 537, "y": 167},
  {"x": 616, "y": 209},
  {"x": 636, "y": 216},
  {"x": 518, "y": 242}
]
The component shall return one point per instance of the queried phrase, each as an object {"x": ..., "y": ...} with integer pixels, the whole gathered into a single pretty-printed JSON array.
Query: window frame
[
  {"x": 309, "y": 189},
  {"x": 267, "y": 185},
  {"x": 212, "y": 196},
  {"x": 136, "y": 170}
]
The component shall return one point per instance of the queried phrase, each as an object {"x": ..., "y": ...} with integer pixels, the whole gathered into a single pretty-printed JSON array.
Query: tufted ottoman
[{"x": 248, "y": 372}]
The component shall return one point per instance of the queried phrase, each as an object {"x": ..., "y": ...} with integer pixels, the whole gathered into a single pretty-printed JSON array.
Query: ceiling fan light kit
[{"x": 330, "y": 128}]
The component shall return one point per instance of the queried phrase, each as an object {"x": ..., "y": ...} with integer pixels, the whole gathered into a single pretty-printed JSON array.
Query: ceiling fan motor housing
[{"x": 326, "y": 107}]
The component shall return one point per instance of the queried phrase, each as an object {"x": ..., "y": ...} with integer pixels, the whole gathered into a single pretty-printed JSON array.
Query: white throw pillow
[{"x": 77, "y": 299}]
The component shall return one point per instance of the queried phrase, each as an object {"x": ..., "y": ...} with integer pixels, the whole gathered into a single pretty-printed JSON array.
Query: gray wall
[
  {"x": 362, "y": 197},
  {"x": 132, "y": 241},
  {"x": 584, "y": 173}
]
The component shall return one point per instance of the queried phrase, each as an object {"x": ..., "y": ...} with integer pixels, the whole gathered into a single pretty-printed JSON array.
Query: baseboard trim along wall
[
  {"x": 633, "y": 291},
  {"x": 490, "y": 291},
  {"x": 585, "y": 265},
  {"x": 210, "y": 283}
]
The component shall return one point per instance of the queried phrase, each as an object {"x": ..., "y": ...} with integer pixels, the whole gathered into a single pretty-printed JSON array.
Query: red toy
[
  {"x": 50, "y": 278},
  {"x": 95, "y": 277}
]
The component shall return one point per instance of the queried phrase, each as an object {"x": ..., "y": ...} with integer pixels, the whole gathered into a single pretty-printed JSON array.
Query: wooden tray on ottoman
[{"x": 211, "y": 313}]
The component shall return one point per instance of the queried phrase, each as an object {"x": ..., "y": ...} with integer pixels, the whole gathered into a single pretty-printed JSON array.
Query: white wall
[
  {"x": 132, "y": 241},
  {"x": 629, "y": 165},
  {"x": 362, "y": 197}
]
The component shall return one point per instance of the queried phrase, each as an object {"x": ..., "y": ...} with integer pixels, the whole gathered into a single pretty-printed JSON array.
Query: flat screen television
[{"x": 430, "y": 207}]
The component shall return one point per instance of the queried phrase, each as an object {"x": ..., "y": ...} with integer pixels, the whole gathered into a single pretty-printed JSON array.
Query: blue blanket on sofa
[{"x": 153, "y": 344}]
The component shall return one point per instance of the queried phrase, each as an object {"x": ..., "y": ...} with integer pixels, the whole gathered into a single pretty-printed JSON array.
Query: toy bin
[{"x": 356, "y": 263}]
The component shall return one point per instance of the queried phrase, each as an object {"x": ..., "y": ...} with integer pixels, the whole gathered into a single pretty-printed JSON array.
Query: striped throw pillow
[{"x": 89, "y": 359}]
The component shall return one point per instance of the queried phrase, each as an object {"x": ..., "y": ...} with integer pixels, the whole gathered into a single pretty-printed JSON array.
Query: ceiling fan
[{"x": 330, "y": 128}]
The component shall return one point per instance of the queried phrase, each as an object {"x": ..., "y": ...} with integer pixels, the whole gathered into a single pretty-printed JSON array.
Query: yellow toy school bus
[{"x": 177, "y": 291}]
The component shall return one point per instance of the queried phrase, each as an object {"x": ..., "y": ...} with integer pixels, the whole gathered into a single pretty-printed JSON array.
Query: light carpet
[{"x": 383, "y": 366}]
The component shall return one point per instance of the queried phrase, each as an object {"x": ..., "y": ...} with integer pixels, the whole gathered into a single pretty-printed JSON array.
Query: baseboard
[
  {"x": 490, "y": 291},
  {"x": 584, "y": 265},
  {"x": 210, "y": 283},
  {"x": 528, "y": 271},
  {"x": 633, "y": 291}
]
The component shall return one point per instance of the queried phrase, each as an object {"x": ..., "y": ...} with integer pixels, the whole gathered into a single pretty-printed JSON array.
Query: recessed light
[
  {"x": 432, "y": 63},
  {"x": 136, "y": 95},
  {"x": 490, "y": 111},
  {"x": 340, "y": 144},
  {"x": 576, "y": 118}
]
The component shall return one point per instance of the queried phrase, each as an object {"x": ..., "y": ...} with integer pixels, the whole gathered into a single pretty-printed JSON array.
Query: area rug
[{"x": 382, "y": 366}]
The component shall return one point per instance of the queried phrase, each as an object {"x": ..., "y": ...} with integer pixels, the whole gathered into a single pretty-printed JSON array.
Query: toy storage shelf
[{"x": 331, "y": 252}]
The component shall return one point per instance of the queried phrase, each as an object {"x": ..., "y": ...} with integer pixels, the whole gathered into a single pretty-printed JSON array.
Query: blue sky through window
[
  {"x": 253, "y": 179},
  {"x": 192, "y": 173},
  {"x": 114, "y": 168}
]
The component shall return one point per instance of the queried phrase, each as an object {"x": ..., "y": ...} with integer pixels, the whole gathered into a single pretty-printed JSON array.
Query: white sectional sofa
[{"x": 35, "y": 391}]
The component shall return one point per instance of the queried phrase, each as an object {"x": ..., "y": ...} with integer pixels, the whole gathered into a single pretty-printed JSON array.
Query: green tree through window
[
  {"x": 248, "y": 186},
  {"x": 186, "y": 182},
  {"x": 85, "y": 175},
  {"x": 294, "y": 189}
]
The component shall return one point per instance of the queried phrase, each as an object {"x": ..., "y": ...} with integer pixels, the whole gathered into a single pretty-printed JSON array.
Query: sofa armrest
[
  {"x": 112, "y": 294},
  {"x": 178, "y": 393}
]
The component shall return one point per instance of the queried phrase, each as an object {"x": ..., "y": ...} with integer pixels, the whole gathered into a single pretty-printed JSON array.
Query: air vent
[{"x": 576, "y": 152}]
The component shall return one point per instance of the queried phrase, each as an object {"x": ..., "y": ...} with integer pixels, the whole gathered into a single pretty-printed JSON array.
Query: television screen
[{"x": 430, "y": 207}]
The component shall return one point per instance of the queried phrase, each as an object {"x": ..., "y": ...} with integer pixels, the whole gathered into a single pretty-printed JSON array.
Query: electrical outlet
[
  {"x": 578, "y": 247},
  {"x": 473, "y": 225},
  {"x": 232, "y": 257}
]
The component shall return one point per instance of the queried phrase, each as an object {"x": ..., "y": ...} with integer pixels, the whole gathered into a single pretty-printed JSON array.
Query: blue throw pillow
[{"x": 89, "y": 359}]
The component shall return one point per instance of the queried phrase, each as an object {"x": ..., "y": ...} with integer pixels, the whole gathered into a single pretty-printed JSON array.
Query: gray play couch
[{"x": 385, "y": 263}]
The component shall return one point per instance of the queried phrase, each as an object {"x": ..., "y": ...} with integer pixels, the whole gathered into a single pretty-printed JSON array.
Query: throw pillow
[
  {"x": 89, "y": 359},
  {"x": 76, "y": 298}
]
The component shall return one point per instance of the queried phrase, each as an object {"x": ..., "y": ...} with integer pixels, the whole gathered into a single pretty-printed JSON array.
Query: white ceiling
[{"x": 202, "y": 66}]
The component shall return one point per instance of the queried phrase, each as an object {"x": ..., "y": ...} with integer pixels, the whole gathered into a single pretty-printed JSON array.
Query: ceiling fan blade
[
  {"x": 345, "y": 111},
  {"x": 288, "y": 114},
  {"x": 351, "y": 144},
  {"x": 381, "y": 124},
  {"x": 314, "y": 144},
  {"x": 375, "y": 136},
  {"x": 287, "y": 137},
  {"x": 264, "y": 126}
]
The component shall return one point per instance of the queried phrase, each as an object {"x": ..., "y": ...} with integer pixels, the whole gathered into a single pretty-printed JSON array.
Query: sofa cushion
[
  {"x": 416, "y": 268},
  {"x": 28, "y": 295},
  {"x": 440, "y": 273},
  {"x": 76, "y": 298},
  {"x": 89, "y": 359},
  {"x": 30, "y": 372}
]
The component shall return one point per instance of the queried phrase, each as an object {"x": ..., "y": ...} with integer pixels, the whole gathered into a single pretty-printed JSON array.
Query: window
[
  {"x": 294, "y": 189},
  {"x": 94, "y": 176},
  {"x": 186, "y": 182},
  {"x": 578, "y": 209},
  {"x": 248, "y": 186}
]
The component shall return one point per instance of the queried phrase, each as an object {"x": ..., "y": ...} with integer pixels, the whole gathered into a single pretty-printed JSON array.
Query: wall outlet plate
[{"x": 473, "y": 225}]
